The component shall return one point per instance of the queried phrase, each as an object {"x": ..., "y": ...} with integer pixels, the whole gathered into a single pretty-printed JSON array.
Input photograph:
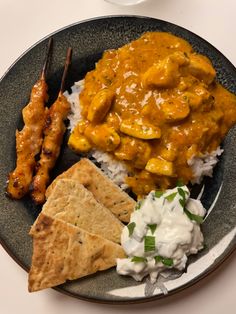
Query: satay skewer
[
  {"x": 53, "y": 136},
  {"x": 66, "y": 68},
  {"x": 29, "y": 139},
  {"x": 47, "y": 60}
]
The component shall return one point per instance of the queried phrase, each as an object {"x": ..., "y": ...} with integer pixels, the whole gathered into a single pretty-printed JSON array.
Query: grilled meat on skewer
[
  {"x": 53, "y": 136},
  {"x": 29, "y": 139}
]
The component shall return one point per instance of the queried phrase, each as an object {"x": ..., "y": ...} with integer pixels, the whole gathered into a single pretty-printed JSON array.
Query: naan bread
[
  {"x": 63, "y": 252},
  {"x": 103, "y": 189},
  {"x": 71, "y": 202}
]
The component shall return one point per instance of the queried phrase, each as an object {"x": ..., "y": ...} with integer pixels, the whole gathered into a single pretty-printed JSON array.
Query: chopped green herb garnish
[
  {"x": 182, "y": 202},
  {"x": 166, "y": 261},
  {"x": 198, "y": 219},
  {"x": 149, "y": 243},
  {"x": 138, "y": 259},
  {"x": 158, "y": 258},
  {"x": 181, "y": 193},
  {"x": 131, "y": 227},
  {"x": 158, "y": 194},
  {"x": 152, "y": 227},
  {"x": 170, "y": 197},
  {"x": 138, "y": 205},
  {"x": 179, "y": 183}
]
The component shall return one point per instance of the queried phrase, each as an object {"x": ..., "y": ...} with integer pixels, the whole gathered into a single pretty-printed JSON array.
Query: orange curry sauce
[{"x": 154, "y": 104}]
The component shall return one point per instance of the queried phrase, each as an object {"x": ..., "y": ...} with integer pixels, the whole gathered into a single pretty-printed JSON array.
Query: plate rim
[
  {"x": 202, "y": 276},
  {"x": 222, "y": 257},
  {"x": 102, "y": 18}
]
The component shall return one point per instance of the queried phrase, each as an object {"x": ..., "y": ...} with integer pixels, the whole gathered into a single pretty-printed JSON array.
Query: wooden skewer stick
[
  {"x": 46, "y": 60},
  {"x": 66, "y": 67},
  {"x": 53, "y": 137}
]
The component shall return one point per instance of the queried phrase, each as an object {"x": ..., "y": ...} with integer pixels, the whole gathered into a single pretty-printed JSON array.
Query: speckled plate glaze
[{"x": 89, "y": 39}]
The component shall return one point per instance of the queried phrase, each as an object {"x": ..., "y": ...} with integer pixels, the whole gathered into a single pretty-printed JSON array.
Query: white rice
[
  {"x": 203, "y": 166},
  {"x": 116, "y": 170},
  {"x": 73, "y": 98}
]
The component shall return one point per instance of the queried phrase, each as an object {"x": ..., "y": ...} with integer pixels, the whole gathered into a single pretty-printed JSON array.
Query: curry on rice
[{"x": 154, "y": 104}]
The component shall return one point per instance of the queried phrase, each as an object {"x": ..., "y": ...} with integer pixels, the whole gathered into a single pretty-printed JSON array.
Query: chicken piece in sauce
[{"x": 161, "y": 105}]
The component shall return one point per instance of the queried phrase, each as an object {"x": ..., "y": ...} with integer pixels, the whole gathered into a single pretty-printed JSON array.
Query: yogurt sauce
[{"x": 163, "y": 230}]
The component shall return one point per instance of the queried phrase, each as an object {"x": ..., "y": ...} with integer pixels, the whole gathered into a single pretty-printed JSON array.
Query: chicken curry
[{"x": 154, "y": 104}]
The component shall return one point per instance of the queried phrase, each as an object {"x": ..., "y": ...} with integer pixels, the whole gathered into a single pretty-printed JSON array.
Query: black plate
[{"x": 89, "y": 39}]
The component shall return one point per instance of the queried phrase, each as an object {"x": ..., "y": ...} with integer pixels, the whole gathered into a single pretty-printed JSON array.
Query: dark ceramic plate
[{"x": 89, "y": 39}]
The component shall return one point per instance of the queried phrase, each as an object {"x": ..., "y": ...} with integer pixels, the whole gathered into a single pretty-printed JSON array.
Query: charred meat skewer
[
  {"x": 54, "y": 130},
  {"x": 29, "y": 139}
]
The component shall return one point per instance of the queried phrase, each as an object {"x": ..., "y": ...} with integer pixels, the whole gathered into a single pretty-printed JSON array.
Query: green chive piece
[
  {"x": 138, "y": 205},
  {"x": 171, "y": 197},
  {"x": 158, "y": 194},
  {"x": 152, "y": 227},
  {"x": 138, "y": 259},
  {"x": 179, "y": 183},
  {"x": 181, "y": 193},
  {"x": 131, "y": 227},
  {"x": 158, "y": 258},
  {"x": 149, "y": 243},
  {"x": 182, "y": 202},
  {"x": 198, "y": 219},
  {"x": 166, "y": 261}
]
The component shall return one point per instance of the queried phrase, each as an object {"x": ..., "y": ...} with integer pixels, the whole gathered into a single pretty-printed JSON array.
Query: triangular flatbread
[
  {"x": 102, "y": 188},
  {"x": 71, "y": 202},
  {"x": 63, "y": 252}
]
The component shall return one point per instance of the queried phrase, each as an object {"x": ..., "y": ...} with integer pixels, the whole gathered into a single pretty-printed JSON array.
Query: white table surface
[{"x": 22, "y": 23}]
